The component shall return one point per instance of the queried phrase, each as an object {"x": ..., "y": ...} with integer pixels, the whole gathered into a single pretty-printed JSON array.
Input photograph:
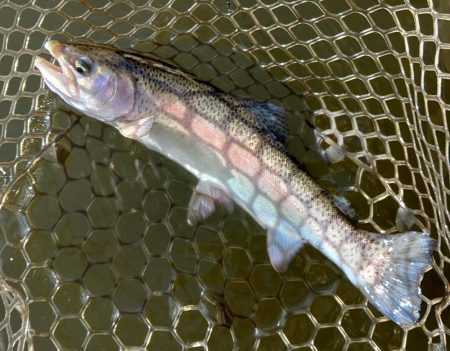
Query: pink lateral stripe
[
  {"x": 243, "y": 159},
  {"x": 172, "y": 105},
  {"x": 209, "y": 133}
]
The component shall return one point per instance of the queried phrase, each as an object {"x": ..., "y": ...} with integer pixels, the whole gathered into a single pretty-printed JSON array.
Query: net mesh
[{"x": 95, "y": 249}]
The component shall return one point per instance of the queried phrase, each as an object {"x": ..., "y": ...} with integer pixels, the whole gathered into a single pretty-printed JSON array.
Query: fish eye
[{"x": 82, "y": 66}]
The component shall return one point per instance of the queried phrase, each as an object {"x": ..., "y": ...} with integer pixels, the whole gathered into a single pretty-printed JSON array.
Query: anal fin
[
  {"x": 282, "y": 246},
  {"x": 205, "y": 199}
]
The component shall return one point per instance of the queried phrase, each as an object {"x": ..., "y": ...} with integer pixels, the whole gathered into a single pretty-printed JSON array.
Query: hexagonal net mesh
[{"x": 96, "y": 252}]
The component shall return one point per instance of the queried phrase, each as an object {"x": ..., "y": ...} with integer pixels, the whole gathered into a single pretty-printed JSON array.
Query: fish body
[{"x": 234, "y": 147}]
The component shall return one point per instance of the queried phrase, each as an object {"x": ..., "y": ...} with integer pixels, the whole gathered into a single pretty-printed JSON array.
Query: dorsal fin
[{"x": 270, "y": 116}]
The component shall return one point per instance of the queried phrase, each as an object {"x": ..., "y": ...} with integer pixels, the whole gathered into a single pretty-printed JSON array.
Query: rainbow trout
[{"x": 234, "y": 147}]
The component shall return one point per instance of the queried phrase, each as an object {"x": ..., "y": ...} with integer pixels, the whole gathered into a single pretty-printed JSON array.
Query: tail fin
[{"x": 394, "y": 289}]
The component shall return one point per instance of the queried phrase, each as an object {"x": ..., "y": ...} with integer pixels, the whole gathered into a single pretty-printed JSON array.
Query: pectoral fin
[
  {"x": 135, "y": 126},
  {"x": 282, "y": 246},
  {"x": 204, "y": 200}
]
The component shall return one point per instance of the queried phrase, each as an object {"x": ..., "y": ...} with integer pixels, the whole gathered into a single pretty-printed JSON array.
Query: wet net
[{"x": 95, "y": 249}]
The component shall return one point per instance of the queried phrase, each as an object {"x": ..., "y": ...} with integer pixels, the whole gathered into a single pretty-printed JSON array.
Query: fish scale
[{"x": 232, "y": 146}]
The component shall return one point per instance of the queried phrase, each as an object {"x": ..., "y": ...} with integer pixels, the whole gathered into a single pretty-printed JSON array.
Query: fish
[{"x": 235, "y": 147}]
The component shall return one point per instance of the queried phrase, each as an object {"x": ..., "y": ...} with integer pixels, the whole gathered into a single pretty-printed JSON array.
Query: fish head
[{"x": 91, "y": 79}]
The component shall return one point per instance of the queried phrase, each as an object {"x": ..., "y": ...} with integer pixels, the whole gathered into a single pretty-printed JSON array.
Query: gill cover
[{"x": 90, "y": 79}]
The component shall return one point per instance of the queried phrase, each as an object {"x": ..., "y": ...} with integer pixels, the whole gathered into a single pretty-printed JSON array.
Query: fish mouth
[{"x": 61, "y": 79}]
